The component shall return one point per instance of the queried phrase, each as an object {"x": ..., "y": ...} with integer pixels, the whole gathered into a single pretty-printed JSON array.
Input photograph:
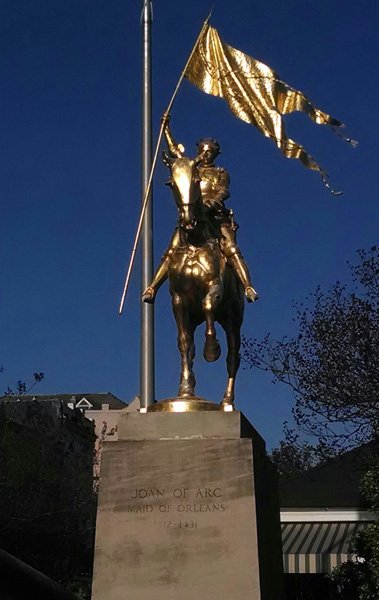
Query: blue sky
[{"x": 70, "y": 181}]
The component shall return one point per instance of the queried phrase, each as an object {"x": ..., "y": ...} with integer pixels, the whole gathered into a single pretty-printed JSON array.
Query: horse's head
[{"x": 184, "y": 181}]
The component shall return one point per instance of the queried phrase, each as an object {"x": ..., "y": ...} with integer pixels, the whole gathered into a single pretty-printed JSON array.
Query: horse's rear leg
[
  {"x": 186, "y": 347},
  {"x": 233, "y": 336},
  {"x": 212, "y": 348}
]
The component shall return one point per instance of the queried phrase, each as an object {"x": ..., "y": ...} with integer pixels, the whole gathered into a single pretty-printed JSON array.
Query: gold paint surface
[
  {"x": 253, "y": 91},
  {"x": 199, "y": 263},
  {"x": 184, "y": 404}
]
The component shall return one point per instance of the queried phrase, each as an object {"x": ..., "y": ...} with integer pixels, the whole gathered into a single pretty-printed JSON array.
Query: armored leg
[
  {"x": 235, "y": 259},
  {"x": 161, "y": 273}
]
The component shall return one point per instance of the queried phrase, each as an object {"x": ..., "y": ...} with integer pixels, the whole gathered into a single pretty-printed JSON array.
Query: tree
[
  {"x": 291, "y": 460},
  {"x": 102, "y": 437},
  {"x": 21, "y": 387},
  {"x": 332, "y": 364},
  {"x": 47, "y": 504},
  {"x": 359, "y": 579}
]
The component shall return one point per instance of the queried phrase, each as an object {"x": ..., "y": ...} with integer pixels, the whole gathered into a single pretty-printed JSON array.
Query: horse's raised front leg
[
  {"x": 233, "y": 337},
  {"x": 212, "y": 348},
  {"x": 186, "y": 346}
]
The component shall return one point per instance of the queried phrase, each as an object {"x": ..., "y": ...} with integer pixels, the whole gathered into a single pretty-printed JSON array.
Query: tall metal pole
[
  {"x": 154, "y": 162},
  {"x": 147, "y": 310}
]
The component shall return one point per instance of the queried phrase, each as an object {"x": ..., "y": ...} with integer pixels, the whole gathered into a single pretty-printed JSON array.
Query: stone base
[{"x": 187, "y": 510}]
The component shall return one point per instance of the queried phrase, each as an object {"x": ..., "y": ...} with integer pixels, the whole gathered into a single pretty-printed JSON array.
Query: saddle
[{"x": 212, "y": 243}]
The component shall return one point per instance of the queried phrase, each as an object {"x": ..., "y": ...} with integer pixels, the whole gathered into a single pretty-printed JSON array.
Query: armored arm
[
  {"x": 222, "y": 192},
  {"x": 174, "y": 149}
]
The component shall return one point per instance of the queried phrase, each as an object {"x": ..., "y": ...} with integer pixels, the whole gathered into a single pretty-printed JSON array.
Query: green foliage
[
  {"x": 332, "y": 364},
  {"x": 47, "y": 506},
  {"x": 370, "y": 486},
  {"x": 359, "y": 580},
  {"x": 290, "y": 460},
  {"x": 294, "y": 456}
]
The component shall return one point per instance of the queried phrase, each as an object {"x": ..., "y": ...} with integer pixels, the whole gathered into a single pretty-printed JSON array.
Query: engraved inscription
[
  {"x": 201, "y": 508},
  {"x": 176, "y": 501},
  {"x": 143, "y": 494},
  {"x": 176, "y": 524},
  {"x": 208, "y": 493},
  {"x": 139, "y": 508}
]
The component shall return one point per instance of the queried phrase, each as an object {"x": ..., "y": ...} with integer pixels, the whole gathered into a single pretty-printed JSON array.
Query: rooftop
[
  {"x": 85, "y": 400},
  {"x": 332, "y": 484}
]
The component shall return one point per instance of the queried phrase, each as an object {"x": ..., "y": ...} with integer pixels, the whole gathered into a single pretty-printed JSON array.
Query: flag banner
[{"x": 254, "y": 93}]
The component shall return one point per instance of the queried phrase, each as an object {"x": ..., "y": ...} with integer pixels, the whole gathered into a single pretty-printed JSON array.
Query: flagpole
[
  {"x": 147, "y": 310},
  {"x": 153, "y": 164}
]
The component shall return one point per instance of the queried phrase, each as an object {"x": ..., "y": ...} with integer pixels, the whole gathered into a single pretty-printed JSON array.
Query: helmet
[{"x": 210, "y": 142}]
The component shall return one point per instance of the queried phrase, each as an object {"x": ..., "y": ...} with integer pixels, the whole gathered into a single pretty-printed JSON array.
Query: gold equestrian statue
[{"x": 208, "y": 276}]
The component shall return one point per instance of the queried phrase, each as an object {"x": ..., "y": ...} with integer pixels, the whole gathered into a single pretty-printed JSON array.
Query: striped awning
[{"x": 316, "y": 547}]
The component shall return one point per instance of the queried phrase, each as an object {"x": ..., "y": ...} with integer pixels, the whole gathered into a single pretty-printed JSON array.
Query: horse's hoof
[
  {"x": 227, "y": 403},
  {"x": 251, "y": 294},
  {"x": 212, "y": 348}
]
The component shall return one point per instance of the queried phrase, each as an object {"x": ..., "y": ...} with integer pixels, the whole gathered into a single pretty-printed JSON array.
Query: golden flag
[{"x": 253, "y": 92}]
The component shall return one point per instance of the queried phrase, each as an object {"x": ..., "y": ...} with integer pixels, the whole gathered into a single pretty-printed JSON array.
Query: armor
[
  {"x": 214, "y": 187},
  {"x": 214, "y": 184}
]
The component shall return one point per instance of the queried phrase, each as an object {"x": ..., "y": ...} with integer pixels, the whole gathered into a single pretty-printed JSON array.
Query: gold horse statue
[{"x": 202, "y": 284}]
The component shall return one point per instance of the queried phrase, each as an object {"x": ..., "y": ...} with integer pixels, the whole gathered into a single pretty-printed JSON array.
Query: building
[
  {"x": 100, "y": 408},
  {"x": 321, "y": 511},
  {"x": 46, "y": 485}
]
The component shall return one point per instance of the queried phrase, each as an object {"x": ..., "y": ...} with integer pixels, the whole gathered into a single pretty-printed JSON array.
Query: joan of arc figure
[{"x": 214, "y": 187}]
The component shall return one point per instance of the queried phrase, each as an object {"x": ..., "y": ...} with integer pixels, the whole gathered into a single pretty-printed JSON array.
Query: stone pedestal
[{"x": 187, "y": 511}]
